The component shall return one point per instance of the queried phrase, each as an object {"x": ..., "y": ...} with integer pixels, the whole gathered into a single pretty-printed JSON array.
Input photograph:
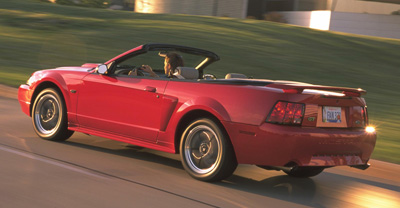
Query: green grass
[{"x": 35, "y": 36}]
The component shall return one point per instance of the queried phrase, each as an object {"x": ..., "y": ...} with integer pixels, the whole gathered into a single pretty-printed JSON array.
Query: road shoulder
[{"x": 8, "y": 92}]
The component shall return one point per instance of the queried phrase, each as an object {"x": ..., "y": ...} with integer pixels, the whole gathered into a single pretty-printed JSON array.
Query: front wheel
[
  {"x": 206, "y": 151},
  {"x": 49, "y": 116},
  {"x": 304, "y": 172}
]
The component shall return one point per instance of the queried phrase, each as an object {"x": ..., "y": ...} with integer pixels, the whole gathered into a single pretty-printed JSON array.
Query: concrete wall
[
  {"x": 387, "y": 26},
  {"x": 365, "y": 7},
  {"x": 222, "y": 8},
  {"x": 313, "y": 19},
  {"x": 297, "y": 18},
  {"x": 353, "y": 6}
]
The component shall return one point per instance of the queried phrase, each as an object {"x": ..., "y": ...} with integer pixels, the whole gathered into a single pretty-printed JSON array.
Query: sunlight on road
[{"x": 372, "y": 197}]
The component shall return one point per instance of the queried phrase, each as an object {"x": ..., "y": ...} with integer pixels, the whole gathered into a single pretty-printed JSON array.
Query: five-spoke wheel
[
  {"x": 206, "y": 152},
  {"x": 49, "y": 116}
]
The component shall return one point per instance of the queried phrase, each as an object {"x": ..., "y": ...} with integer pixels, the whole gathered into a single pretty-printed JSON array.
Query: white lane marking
[{"x": 56, "y": 163}]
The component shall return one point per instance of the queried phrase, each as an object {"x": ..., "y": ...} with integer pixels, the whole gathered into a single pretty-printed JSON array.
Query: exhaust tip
[
  {"x": 278, "y": 168},
  {"x": 361, "y": 167}
]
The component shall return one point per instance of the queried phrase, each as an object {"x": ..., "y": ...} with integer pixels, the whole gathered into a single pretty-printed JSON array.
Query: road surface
[{"x": 88, "y": 171}]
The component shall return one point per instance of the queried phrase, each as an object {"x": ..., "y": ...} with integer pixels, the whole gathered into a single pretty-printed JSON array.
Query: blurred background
[{"x": 350, "y": 43}]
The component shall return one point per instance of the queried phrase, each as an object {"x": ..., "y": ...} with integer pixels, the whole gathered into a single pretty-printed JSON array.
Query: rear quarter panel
[
  {"x": 242, "y": 110},
  {"x": 234, "y": 103},
  {"x": 231, "y": 103}
]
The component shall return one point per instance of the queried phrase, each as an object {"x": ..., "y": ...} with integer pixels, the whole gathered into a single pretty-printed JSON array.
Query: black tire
[
  {"x": 49, "y": 116},
  {"x": 304, "y": 172},
  {"x": 206, "y": 152}
]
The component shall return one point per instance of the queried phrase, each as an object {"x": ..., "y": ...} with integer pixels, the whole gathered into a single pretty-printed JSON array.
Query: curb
[{"x": 8, "y": 92}]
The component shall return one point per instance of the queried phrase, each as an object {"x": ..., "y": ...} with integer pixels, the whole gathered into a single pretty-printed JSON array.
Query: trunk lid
[{"x": 327, "y": 106}]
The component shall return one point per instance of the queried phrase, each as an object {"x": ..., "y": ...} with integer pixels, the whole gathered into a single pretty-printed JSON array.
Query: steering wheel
[{"x": 138, "y": 70}]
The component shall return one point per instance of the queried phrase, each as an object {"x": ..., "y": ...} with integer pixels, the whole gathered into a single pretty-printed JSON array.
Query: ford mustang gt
[{"x": 213, "y": 123}]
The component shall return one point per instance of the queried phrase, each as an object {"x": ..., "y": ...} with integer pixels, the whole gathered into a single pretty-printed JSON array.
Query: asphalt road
[{"x": 88, "y": 171}]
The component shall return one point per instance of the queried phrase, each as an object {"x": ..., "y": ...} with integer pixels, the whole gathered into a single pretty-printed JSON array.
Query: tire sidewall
[
  {"x": 218, "y": 167},
  {"x": 62, "y": 113}
]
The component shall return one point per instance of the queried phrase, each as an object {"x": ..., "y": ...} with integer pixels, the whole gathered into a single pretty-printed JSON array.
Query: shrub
[
  {"x": 274, "y": 17},
  {"x": 84, "y": 3}
]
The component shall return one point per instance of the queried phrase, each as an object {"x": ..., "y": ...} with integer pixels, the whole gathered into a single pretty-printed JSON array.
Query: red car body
[{"x": 153, "y": 112}]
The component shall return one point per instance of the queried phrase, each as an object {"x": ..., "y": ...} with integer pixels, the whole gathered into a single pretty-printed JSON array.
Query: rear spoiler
[{"x": 298, "y": 89}]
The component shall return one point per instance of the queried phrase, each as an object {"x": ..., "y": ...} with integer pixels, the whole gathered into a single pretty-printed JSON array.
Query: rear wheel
[
  {"x": 304, "y": 172},
  {"x": 49, "y": 116},
  {"x": 206, "y": 151}
]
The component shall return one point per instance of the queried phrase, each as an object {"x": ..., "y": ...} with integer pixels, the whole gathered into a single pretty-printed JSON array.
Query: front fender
[
  {"x": 45, "y": 79},
  {"x": 55, "y": 79}
]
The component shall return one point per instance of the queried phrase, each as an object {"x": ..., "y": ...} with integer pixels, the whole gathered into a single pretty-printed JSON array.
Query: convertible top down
[{"x": 213, "y": 123}]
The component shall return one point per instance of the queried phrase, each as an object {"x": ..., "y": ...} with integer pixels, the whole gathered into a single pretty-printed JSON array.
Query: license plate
[{"x": 331, "y": 114}]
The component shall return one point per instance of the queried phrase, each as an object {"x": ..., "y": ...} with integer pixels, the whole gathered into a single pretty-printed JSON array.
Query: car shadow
[
  {"x": 296, "y": 190},
  {"x": 339, "y": 178},
  {"x": 286, "y": 188},
  {"x": 302, "y": 191},
  {"x": 131, "y": 151}
]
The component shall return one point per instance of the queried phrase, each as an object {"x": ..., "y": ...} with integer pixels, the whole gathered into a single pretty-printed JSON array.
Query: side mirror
[{"x": 102, "y": 69}]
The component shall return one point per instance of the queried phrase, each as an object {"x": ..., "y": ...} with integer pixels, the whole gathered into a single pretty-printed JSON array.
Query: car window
[{"x": 155, "y": 61}]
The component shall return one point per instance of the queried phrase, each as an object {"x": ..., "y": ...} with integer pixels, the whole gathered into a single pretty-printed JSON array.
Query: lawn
[{"x": 35, "y": 36}]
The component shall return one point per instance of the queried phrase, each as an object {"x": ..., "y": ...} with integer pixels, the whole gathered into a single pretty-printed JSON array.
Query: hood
[{"x": 75, "y": 68}]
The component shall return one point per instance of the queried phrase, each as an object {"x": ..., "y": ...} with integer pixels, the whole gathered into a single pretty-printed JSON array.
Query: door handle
[{"x": 150, "y": 89}]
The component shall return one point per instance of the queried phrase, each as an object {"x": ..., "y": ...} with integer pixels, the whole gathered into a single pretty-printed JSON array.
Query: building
[
  {"x": 366, "y": 17},
  {"x": 220, "y": 8},
  {"x": 349, "y": 16}
]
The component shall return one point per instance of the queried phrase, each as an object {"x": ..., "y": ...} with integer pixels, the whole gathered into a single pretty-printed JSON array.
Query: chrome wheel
[
  {"x": 202, "y": 149},
  {"x": 206, "y": 151},
  {"x": 47, "y": 114}
]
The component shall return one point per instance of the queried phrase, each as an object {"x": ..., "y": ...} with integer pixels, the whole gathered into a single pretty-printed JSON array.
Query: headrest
[
  {"x": 235, "y": 76},
  {"x": 186, "y": 73}
]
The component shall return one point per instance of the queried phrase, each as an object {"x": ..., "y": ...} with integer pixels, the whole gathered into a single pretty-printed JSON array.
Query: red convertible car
[{"x": 213, "y": 123}]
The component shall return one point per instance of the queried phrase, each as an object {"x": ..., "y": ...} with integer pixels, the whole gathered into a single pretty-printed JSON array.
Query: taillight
[{"x": 286, "y": 113}]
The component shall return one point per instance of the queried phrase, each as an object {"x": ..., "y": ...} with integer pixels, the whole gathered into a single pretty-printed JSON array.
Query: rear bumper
[
  {"x": 24, "y": 98},
  {"x": 279, "y": 145}
]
